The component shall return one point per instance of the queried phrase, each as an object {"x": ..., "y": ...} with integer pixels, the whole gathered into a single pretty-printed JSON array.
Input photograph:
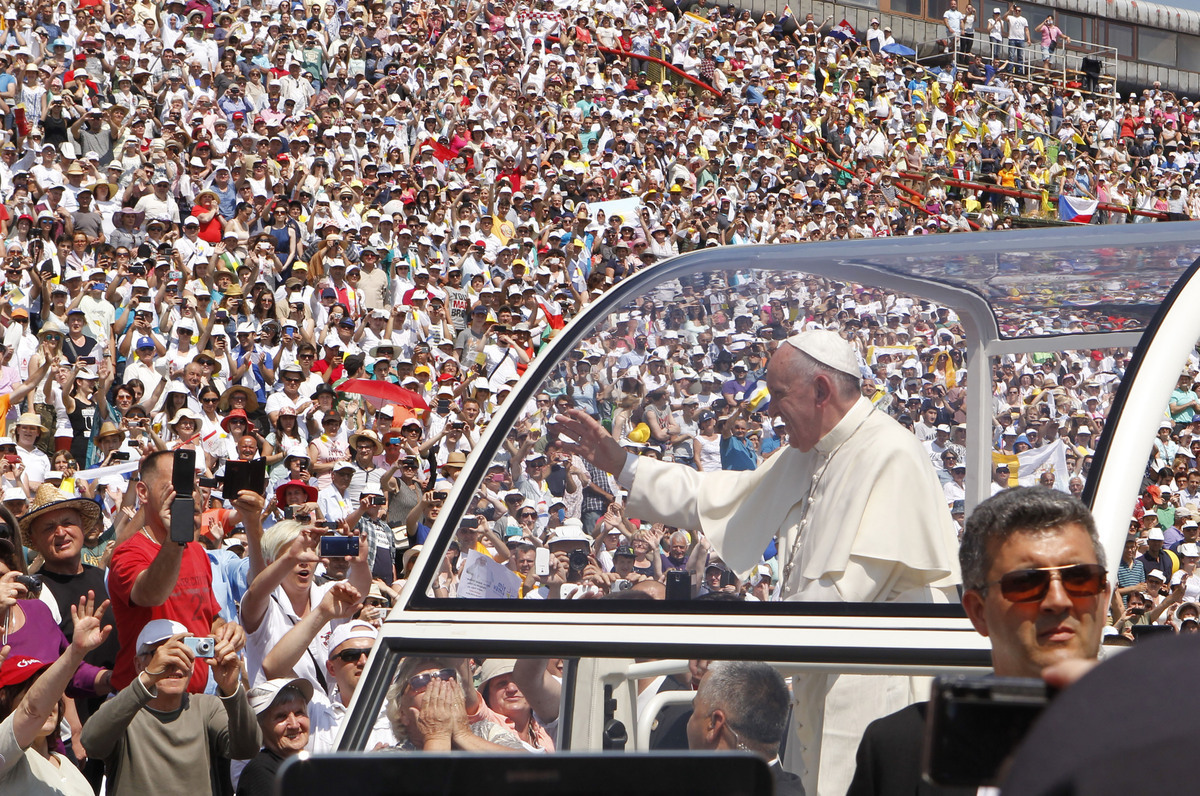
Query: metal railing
[{"x": 1067, "y": 64}]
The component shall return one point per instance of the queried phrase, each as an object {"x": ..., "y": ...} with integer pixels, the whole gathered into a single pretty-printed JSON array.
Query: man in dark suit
[
  {"x": 743, "y": 705},
  {"x": 1034, "y": 584}
]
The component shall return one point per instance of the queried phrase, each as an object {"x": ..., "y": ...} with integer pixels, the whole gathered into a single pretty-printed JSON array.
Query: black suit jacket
[{"x": 889, "y": 758}]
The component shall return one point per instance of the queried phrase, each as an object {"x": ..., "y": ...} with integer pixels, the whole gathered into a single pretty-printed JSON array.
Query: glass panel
[
  {"x": 524, "y": 705},
  {"x": 1189, "y": 53},
  {"x": 1156, "y": 46},
  {"x": 910, "y": 7},
  {"x": 936, "y": 8},
  {"x": 1121, "y": 37},
  {"x": 1050, "y": 413},
  {"x": 680, "y": 376},
  {"x": 1073, "y": 26}
]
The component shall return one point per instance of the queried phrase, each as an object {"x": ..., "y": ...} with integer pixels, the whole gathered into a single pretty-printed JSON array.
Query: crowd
[{"x": 333, "y": 236}]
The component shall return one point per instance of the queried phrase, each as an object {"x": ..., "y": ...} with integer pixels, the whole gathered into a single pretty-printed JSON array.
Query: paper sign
[{"x": 484, "y": 579}]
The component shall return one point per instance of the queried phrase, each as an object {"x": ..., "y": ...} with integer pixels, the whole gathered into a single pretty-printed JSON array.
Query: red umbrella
[{"x": 384, "y": 391}]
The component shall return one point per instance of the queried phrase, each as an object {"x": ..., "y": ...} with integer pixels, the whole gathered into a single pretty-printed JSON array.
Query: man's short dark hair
[
  {"x": 151, "y": 465},
  {"x": 1023, "y": 509},
  {"x": 753, "y": 696}
]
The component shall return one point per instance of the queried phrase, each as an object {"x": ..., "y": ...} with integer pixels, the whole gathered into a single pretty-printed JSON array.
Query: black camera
[
  {"x": 577, "y": 560},
  {"x": 31, "y": 583}
]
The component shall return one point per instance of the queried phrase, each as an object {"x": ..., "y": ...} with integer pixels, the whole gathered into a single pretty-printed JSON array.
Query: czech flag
[
  {"x": 1076, "y": 209},
  {"x": 844, "y": 31}
]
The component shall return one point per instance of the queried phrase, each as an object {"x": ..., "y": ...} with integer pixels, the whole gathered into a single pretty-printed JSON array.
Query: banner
[
  {"x": 1077, "y": 209},
  {"x": 484, "y": 579},
  {"x": 898, "y": 353},
  {"x": 627, "y": 209},
  {"x": 1026, "y": 468},
  {"x": 697, "y": 21}
]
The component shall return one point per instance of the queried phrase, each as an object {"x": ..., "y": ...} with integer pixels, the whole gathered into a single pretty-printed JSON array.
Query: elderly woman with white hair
[
  {"x": 427, "y": 706},
  {"x": 282, "y": 591}
]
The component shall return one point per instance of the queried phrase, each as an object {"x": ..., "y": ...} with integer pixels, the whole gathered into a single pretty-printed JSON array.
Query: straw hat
[
  {"x": 50, "y": 498},
  {"x": 31, "y": 419},
  {"x": 251, "y": 398},
  {"x": 369, "y": 436},
  {"x": 109, "y": 429}
]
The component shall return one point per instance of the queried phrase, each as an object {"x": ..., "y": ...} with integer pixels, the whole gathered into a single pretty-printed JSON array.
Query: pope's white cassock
[{"x": 860, "y": 518}]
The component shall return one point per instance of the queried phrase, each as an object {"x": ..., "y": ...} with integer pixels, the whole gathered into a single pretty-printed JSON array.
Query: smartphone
[
  {"x": 334, "y": 545},
  {"x": 541, "y": 562},
  {"x": 210, "y": 483},
  {"x": 728, "y": 578},
  {"x": 443, "y": 406},
  {"x": 183, "y": 472},
  {"x": 440, "y": 495},
  {"x": 974, "y": 723},
  {"x": 202, "y": 647},
  {"x": 88, "y": 360},
  {"x": 289, "y": 512},
  {"x": 120, "y": 456},
  {"x": 222, "y": 316},
  {"x": 251, "y": 475},
  {"x": 679, "y": 585},
  {"x": 330, "y": 524}
]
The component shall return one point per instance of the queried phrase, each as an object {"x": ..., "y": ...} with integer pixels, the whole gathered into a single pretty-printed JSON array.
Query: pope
[
  {"x": 853, "y": 502},
  {"x": 855, "y": 508}
]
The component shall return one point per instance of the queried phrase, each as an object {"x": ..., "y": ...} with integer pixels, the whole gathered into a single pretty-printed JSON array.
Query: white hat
[
  {"x": 263, "y": 695},
  {"x": 1189, "y": 550},
  {"x": 13, "y": 493},
  {"x": 351, "y": 630},
  {"x": 1158, "y": 574},
  {"x": 157, "y": 630},
  {"x": 829, "y": 349},
  {"x": 1155, "y": 535},
  {"x": 570, "y": 531}
]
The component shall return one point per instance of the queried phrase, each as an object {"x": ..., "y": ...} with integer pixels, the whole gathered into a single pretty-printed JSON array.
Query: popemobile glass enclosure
[{"x": 1089, "y": 291}]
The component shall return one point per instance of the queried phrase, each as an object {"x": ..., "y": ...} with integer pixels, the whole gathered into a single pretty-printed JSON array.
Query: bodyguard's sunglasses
[
  {"x": 421, "y": 681},
  {"x": 1032, "y": 585}
]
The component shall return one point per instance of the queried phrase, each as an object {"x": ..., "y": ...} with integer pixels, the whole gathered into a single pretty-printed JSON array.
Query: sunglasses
[
  {"x": 1032, "y": 585},
  {"x": 352, "y": 656},
  {"x": 421, "y": 681}
]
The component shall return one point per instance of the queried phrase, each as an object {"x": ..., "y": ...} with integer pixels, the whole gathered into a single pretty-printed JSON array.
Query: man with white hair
[{"x": 853, "y": 504}]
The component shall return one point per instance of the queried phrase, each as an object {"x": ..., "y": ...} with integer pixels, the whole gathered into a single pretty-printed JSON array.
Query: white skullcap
[{"x": 829, "y": 349}]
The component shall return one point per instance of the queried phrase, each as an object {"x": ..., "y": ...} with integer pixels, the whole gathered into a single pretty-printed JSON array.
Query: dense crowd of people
[{"x": 332, "y": 237}]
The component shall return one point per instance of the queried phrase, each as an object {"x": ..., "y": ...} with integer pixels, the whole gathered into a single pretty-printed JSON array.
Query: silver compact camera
[{"x": 203, "y": 647}]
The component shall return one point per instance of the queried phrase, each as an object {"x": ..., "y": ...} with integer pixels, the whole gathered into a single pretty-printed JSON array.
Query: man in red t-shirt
[{"x": 151, "y": 577}]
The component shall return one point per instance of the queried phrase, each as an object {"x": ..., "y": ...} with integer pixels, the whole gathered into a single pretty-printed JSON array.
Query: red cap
[
  {"x": 19, "y": 668},
  {"x": 239, "y": 115},
  {"x": 481, "y": 244}
]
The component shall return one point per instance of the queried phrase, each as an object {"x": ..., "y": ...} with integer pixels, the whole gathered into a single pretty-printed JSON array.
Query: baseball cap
[
  {"x": 158, "y": 630},
  {"x": 263, "y": 696},
  {"x": 351, "y": 630},
  {"x": 19, "y": 668}
]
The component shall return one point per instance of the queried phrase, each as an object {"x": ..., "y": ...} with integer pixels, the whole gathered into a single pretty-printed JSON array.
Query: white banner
[
  {"x": 1048, "y": 458},
  {"x": 627, "y": 209},
  {"x": 484, "y": 579}
]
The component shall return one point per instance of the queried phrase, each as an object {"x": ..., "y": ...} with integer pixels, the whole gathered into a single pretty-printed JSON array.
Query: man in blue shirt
[{"x": 737, "y": 452}]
